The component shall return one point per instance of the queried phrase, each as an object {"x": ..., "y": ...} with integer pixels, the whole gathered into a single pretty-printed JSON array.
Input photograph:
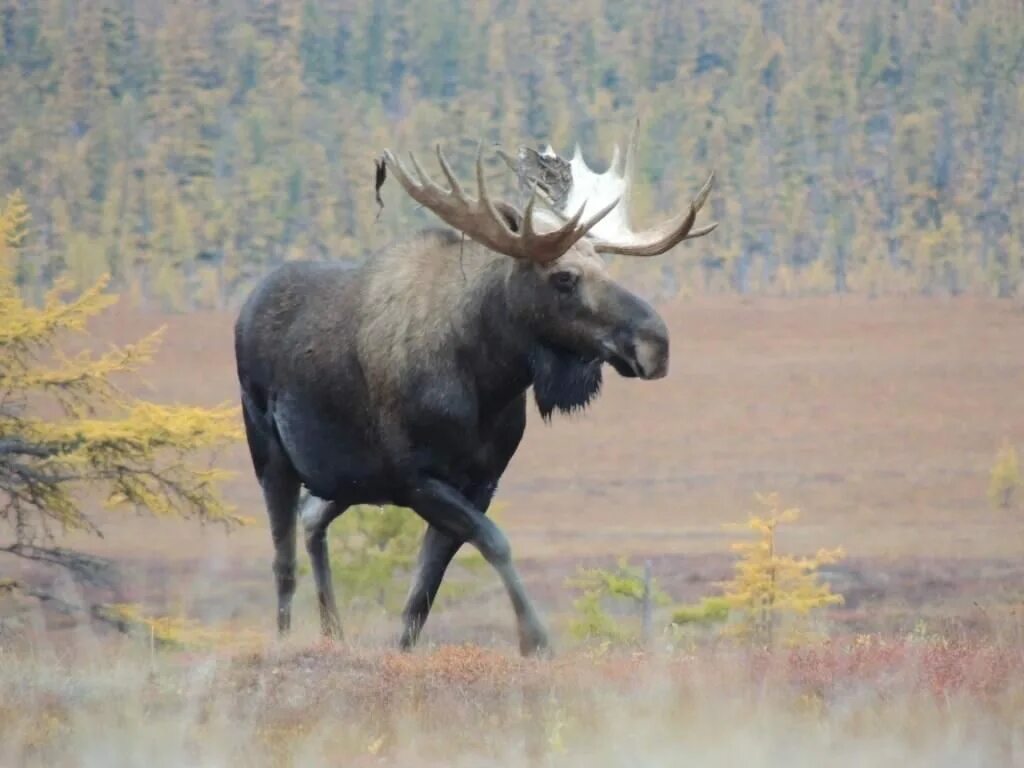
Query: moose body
[{"x": 404, "y": 380}]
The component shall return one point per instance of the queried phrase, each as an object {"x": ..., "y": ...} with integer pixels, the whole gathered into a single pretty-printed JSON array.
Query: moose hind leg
[
  {"x": 316, "y": 515},
  {"x": 280, "y": 486},
  {"x": 444, "y": 507},
  {"x": 281, "y": 493}
]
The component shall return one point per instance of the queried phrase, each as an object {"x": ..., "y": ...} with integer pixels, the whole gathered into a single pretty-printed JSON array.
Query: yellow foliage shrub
[
  {"x": 1005, "y": 479},
  {"x": 140, "y": 452},
  {"x": 769, "y": 588}
]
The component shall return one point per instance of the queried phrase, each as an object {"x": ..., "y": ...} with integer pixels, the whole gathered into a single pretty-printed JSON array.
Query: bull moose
[{"x": 403, "y": 380}]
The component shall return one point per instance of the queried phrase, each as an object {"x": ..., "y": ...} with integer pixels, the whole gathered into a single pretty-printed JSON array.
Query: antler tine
[
  {"x": 701, "y": 231},
  {"x": 570, "y": 232},
  {"x": 657, "y": 240},
  {"x": 629, "y": 171},
  {"x": 401, "y": 174},
  {"x": 571, "y": 222},
  {"x": 446, "y": 169},
  {"x": 481, "y": 221},
  {"x": 424, "y": 179},
  {"x": 484, "y": 203},
  {"x": 702, "y": 195},
  {"x": 594, "y": 220},
  {"x": 696, "y": 205}
]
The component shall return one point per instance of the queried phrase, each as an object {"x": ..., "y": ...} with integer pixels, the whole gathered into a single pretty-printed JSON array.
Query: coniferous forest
[{"x": 185, "y": 147}]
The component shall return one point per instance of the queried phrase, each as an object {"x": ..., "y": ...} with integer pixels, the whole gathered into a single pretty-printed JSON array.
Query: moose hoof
[
  {"x": 407, "y": 642},
  {"x": 331, "y": 632},
  {"x": 533, "y": 641}
]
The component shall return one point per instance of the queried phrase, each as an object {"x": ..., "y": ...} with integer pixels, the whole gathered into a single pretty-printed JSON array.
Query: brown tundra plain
[{"x": 880, "y": 419}]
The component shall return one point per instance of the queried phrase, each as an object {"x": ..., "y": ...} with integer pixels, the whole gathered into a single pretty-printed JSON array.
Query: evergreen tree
[
  {"x": 860, "y": 146},
  {"x": 139, "y": 451}
]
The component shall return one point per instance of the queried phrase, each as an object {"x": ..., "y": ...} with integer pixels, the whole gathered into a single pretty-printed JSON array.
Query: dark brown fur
[{"x": 403, "y": 381}]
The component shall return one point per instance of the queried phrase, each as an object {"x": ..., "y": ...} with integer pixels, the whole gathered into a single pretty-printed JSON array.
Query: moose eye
[{"x": 564, "y": 282}]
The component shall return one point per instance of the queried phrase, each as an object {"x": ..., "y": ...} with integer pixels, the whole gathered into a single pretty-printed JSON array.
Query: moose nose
[{"x": 652, "y": 348}]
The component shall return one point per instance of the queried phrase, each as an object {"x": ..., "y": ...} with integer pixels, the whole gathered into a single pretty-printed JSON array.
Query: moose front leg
[
  {"x": 436, "y": 554},
  {"x": 453, "y": 514}
]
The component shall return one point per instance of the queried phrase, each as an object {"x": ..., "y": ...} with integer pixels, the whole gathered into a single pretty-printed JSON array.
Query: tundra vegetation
[
  {"x": 206, "y": 696},
  {"x": 627, "y": 588}
]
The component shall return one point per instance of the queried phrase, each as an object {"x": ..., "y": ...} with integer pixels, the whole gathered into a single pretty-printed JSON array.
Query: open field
[{"x": 879, "y": 419}]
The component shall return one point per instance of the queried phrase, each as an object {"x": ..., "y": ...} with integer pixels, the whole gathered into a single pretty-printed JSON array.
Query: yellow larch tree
[
  {"x": 67, "y": 429},
  {"x": 768, "y": 586}
]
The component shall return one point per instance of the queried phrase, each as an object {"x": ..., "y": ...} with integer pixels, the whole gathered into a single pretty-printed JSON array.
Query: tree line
[{"x": 186, "y": 146}]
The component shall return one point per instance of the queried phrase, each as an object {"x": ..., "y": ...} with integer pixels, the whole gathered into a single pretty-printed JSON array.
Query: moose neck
[
  {"x": 501, "y": 352},
  {"x": 511, "y": 357}
]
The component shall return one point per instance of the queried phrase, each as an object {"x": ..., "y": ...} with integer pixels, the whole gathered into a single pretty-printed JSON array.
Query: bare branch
[{"x": 37, "y": 450}]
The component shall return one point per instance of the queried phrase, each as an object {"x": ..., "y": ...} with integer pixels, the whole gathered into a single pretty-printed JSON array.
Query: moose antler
[
  {"x": 616, "y": 234},
  {"x": 656, "y": 240},
  {"x": 480, "y": 220}
]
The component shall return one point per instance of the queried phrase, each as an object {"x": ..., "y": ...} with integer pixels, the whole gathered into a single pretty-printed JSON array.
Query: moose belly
[{"x": 328, "y": 454}]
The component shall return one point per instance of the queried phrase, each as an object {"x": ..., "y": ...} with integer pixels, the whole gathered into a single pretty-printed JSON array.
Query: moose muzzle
[{"x": 640, "y": 351}]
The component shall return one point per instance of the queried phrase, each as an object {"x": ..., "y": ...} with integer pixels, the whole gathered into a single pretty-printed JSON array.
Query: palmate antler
[
  {"x": 615, "y": 233},
  {"x": 481, "y": 221}
]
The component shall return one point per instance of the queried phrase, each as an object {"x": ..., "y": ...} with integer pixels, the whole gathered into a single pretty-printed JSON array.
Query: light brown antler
[
  {"x": 657, "y": 240},
  {"x": 481, "y": 221}
]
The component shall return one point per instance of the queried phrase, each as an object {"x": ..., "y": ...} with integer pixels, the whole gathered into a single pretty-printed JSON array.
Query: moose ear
[{"x": 512, "y": 217}]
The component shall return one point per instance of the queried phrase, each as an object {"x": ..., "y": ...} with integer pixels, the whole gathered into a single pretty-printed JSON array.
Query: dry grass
[{"x": 867, "y": 701}]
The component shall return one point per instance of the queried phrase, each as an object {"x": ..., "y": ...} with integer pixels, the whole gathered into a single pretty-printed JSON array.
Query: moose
[{"x": 403, "y": 380}]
